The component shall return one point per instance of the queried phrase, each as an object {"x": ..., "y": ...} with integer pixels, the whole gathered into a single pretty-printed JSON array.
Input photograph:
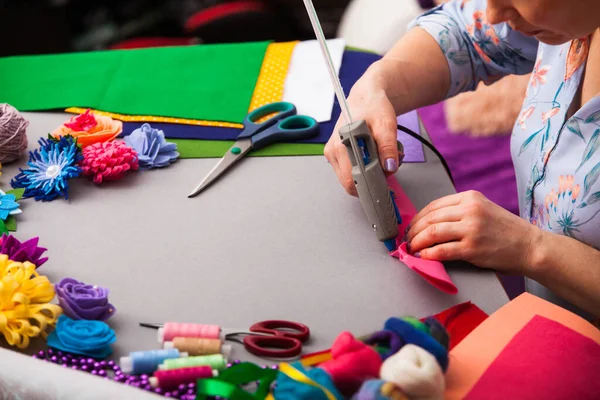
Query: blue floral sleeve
[{"x": 476, "y": 51}]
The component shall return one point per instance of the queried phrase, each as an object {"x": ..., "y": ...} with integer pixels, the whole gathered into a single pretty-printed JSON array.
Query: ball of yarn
[
  {"x": 13, "y": 137},
  {"x": 416, "y": 372}
]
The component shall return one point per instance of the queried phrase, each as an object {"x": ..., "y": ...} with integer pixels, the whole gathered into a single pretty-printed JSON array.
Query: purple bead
[
  {"x": 175, "y": 393},
  {"x": 191, "y": 391},
  {"x": 34, "y": 356},
  {"x": 191, "y": 385},
  {"x": 94, "y": 372},
  {"x": 117, "y": 379},
  {"x": 69, "y": 355},
  {"x": 64, "y": 359},
  {"x": 64, "y": 366},
  {"x": 158, "y": 391},
  {"x": 116, "y": 368},
  {"x": 182, "y": 387},
  {"x": 103, "y": 363},
  {"x": 50, "y": 352},
  {"x": 148, "y": 387},
  {"x": 90, "y": 361},
  {"x": 110, "y": 363},
  {"x": 84, "y": 367},
  {"x": 144, "y": 382},
  {"x": 167, "y": 394},
  {"x": 41, "y": 354},
  {"x": 229, "y": 365},
  {"x": 144, "y": 376},
  {"x": 102, "y": 373},
  {"x": 96, "y": 365},
  {"x": 59, "y": 353},
  {"x": 75, "y": 367}
]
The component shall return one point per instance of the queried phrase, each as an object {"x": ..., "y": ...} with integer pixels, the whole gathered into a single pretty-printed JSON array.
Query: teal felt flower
[
  {"x": 8, "y": 205},
  {"x": 84, "y": 337}
]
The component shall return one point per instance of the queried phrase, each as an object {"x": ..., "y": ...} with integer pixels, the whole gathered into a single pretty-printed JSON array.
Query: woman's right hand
[{"x": 367, "y": 101}]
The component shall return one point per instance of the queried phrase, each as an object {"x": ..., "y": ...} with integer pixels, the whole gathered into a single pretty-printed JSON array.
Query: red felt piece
[
  {"x": 545, "y": 360},
  {"x": 460, "y": 320}
]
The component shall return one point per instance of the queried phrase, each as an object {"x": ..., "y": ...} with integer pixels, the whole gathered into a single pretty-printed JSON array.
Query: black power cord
[{"x": 410, "y": 132}]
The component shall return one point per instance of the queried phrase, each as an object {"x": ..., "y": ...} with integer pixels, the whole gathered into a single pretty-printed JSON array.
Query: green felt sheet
[
  {"x": 191, "y": 148},
  {"x": 211, "y": 82}
]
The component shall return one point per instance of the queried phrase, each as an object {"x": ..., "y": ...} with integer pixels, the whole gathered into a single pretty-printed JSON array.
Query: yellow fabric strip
[
  {"x": 269, "y": 88},
  {"x": 298, "y": 376}
]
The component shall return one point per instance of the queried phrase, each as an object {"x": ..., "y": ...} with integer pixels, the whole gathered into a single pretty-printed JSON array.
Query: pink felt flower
[{"x": 108, "y": 161}]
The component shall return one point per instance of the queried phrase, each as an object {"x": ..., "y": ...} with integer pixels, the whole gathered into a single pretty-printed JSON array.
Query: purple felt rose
[{"x": 81, "y": 301}]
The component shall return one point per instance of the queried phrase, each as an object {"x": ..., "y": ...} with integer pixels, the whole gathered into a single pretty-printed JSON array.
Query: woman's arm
[{"x": 567, "y": 267}]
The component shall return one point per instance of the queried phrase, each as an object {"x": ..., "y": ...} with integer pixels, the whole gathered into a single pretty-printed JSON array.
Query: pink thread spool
[
  {"x": 171, "y": 379},
  {"x": 172, "y": 330}
]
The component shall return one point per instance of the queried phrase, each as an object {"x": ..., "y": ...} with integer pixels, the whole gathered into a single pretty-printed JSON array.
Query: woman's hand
[
  {"x": 468, "y": 227},
  {"x": 367, "y": 101}
]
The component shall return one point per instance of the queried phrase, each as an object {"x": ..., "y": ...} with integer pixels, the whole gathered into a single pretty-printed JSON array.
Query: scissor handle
[
  {"x": 296, "y": 127},
  {"x": 281, "y": 110},
  {"x": 280, "y": 328},
  {"x": 273, "y": 346}
]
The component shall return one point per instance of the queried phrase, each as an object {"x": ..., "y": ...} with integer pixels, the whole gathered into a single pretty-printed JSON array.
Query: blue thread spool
[{"x": 146, "y": 362}]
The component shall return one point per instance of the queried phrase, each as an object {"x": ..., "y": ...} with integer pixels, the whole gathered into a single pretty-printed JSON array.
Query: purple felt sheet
[{"x": 413, "y": 149}]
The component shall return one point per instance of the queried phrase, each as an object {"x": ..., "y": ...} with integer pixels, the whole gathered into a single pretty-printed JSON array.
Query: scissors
[
  {"x": 269, "y": 339},
  {"x": 284, "y": 126}
]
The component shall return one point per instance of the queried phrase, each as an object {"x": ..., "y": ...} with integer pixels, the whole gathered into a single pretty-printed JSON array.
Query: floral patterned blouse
[{"x": 556, "y": 158}]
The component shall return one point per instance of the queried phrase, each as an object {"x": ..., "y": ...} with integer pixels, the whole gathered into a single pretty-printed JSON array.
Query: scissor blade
[{"x": 230, "y": 158}]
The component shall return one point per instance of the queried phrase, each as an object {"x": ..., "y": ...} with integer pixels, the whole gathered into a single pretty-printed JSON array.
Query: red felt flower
[{"x": 108, "y": 161}]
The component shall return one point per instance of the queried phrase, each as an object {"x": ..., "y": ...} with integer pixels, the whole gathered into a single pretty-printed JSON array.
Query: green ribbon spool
[
  {"x": 227, "y": 384},
  {"x": 215, "y": 361}
]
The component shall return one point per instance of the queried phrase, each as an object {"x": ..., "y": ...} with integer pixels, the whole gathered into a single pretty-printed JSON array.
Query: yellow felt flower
[{"x": 25, "y": 311}]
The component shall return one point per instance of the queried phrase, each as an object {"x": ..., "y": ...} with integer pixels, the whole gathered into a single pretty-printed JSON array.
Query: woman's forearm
[
  {"x": 569, "y": 268},
  {"x": 414, "y": 73}
]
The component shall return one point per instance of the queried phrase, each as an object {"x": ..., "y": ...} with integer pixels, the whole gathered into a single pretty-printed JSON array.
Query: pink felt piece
[
  {"x": 405, "y": 206},
  {"x": 545, "y": 360},
  {"x": 353, "y": 362},
  {"x": 433, "y": 272}
]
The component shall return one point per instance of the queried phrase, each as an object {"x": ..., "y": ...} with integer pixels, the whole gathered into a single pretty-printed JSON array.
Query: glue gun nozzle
[{"x": 390, "y": 244}]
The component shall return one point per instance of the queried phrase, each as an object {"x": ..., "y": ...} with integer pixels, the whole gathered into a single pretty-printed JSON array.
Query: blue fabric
[
  {"x": 354, "y": 65},
  {"x": 412, "y": 335},
  {"x": 289, "y": 389},
  {"x": 84, "y": 337}
]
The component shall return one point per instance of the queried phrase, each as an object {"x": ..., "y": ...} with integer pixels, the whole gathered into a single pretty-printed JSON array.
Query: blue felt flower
[
  {"x": 85, "y": 337},
  {"x": 50, "y": 168},
  {"x": 8, "y": 205},
  {"x": 152, "y": 148}
]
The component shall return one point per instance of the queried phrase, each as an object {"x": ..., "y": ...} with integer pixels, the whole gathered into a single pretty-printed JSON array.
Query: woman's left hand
[{"x": 469, "y": 227}]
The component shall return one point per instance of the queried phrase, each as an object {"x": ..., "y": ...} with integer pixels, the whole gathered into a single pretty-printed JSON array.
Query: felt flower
[
  {"x": 108, "y": 161},
  {"x": 25, "y": 311},
  {"x": 89, "y": 128},
  {"x": 152, "y": 148},
  {"x": 81, "y": 301},
  {"x": 22, "y": 252},
  {"x": 8, "y": 205},
  {"x": 87, "y": 338},
  {"x": 49, "y": 170}
]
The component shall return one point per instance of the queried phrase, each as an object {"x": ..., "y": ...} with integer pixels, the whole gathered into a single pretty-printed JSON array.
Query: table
[{"x": 277, "y": 238}]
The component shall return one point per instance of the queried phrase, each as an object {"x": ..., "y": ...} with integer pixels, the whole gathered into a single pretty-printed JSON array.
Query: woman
[{"x": 554, "y": 144}]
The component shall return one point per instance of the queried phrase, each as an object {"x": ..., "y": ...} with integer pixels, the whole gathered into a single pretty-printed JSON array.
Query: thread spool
[
  {"x": 172, "y": 330},
  {"x": 199, "y": 346},
  {"x": 13, "y": 136},
  {"x": 215, "y": 361},
  {"x": 146, "y": 362},
  {"x": 171, "y": 379}
]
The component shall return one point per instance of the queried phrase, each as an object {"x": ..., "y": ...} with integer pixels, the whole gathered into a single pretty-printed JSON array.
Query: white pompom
[{"x": 416, "y": 372}]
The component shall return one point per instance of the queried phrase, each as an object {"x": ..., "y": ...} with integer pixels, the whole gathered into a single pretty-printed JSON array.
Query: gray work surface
[{"x": 276, "y": 238}]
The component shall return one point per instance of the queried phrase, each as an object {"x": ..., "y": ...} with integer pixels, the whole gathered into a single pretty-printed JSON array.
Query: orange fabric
[{"x": 471, "y": 357}]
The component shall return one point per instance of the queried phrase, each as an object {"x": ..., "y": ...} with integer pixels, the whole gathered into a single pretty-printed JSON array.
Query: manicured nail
[
  {"x": 391, "y": 165},
  {"x": 417, "y": 254},
  {"x": 407, "y": 229}
]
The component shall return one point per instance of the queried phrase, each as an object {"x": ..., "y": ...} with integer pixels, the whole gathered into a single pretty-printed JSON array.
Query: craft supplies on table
[
  {"x": 171, "y": 379},
  {"x": 272, "y": 338},
  {"x": 146, "y": 362},
  {"x": 283, "y": 126}
]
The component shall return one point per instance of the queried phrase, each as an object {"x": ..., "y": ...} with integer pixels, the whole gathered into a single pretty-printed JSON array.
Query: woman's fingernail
[
  {"x": 417, "y": 254},
  {"x": 407, "y": 229},
  {"x": 391, "y": 165}
]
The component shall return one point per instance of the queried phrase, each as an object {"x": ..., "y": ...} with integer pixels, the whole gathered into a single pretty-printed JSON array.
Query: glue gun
[{"x": 371, "y": 184}]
